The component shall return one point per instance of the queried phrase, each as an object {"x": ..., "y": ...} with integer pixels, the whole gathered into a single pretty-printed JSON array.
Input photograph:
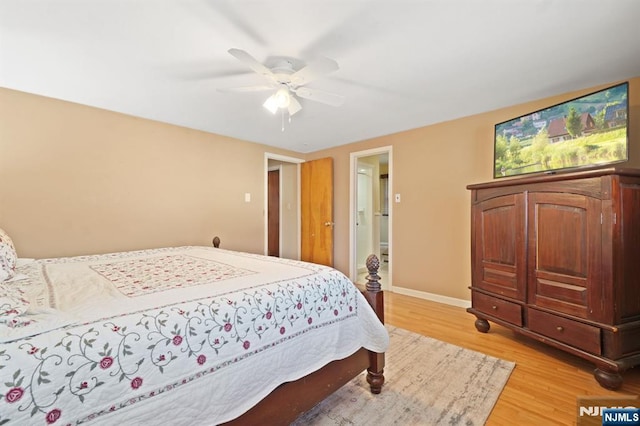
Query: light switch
[
  {"x": 247, "y": 197},
  {"x": 397, "y": 198}
]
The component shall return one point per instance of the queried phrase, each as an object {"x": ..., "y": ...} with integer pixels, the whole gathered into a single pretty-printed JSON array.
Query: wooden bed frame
[{"x": 288, "y": 401}]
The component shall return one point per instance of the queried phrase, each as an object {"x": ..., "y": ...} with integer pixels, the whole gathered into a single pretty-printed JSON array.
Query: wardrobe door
[
  {"x": 498, "y": 246},
  {"x": 564, "y": 253}
]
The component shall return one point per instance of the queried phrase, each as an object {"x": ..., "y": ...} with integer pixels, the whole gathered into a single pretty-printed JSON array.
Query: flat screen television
[{"x": 588, "y": 131}]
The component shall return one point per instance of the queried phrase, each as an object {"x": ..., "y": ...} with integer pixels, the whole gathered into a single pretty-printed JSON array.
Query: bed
[{"x": 193, "y": 334}]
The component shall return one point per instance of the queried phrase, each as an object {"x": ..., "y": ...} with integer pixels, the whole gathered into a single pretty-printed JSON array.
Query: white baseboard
[{"x": 461, "y": 303}]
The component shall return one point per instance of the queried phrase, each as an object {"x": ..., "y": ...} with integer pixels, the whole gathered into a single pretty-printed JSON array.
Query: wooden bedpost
[
  {"x": 216, "y": 242},
  {"x": 374, "y": 295},
  {"x": 373, "y": 290}
]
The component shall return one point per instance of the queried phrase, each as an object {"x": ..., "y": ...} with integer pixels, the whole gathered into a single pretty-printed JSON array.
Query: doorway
[
  {"x": 282, "y": 206},
  {"x": 365, "y": 222},
  {"x": 273, "y": 212},
  {"x": 371, "y": 213}
]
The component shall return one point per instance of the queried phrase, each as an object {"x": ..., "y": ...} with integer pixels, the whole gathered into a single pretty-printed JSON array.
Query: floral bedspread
[{"x": 181, "y": 317}]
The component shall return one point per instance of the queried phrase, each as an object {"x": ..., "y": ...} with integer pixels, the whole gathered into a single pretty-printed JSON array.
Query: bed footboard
[{"x": 291, "y": 399}]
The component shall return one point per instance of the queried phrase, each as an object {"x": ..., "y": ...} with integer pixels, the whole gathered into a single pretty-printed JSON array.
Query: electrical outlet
[{"x": 397, "y": 198}]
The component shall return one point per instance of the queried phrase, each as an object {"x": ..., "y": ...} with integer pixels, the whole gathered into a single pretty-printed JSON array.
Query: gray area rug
[{"x": 427, "y": 382}]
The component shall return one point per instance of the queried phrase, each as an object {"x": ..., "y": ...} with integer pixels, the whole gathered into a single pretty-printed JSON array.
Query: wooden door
[
  {"x": 498, "y": 246},
  {"x": 273, "y": 213},
  {"x": 565, "y": 253},
  {"x": 316, "y": 205}
]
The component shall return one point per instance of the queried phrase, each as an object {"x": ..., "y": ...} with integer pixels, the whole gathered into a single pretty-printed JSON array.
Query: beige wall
[
  {"x": 431, "y": 168},
  {"x": 75, "y": 179}
]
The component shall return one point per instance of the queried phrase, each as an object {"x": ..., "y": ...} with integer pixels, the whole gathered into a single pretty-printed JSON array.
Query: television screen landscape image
[{"x": 583, "y": 132}]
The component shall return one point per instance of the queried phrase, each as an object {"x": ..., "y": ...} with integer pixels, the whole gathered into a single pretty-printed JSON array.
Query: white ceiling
[{"x": 403, "y": 64}]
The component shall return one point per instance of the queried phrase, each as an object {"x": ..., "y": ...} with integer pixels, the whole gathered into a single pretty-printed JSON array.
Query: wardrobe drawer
[
  {"x": 496, "y": 307},
  {"x": 576, "y": 334}
]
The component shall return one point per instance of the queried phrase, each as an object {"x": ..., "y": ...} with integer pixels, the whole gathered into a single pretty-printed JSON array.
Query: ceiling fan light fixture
[
  {"x": 271, "y": 104},
  {"x": 294, "y": 106},
  {"x": 282, "y": 98},
  {"x": 279, "y": 100}
]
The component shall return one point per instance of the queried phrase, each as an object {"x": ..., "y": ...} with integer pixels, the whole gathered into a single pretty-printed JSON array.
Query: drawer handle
[
  {"x": 494, "y": 307},
  {"x": 559, "y": 328}
]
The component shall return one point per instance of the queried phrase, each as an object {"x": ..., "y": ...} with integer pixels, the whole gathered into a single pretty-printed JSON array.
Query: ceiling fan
[{"x": 286, "y": 82}]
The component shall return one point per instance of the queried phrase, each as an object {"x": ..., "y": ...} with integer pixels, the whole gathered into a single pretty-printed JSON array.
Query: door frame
[
  {"x": 353, "y": 179},
  {"x": 277, "y": 157}
]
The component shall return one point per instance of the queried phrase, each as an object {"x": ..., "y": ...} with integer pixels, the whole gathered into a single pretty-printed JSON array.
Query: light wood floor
[{"x": 545, "y": 383}]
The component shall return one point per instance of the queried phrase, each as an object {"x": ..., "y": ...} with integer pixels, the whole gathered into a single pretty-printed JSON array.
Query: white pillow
[
  {"x": 6, "y": 273},
  {"x": 12, "y": 305},
  {"x": 8, "y": 256}
]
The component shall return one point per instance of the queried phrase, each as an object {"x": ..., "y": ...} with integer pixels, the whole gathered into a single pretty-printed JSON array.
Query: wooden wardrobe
[{"x": 557, "y": 258}]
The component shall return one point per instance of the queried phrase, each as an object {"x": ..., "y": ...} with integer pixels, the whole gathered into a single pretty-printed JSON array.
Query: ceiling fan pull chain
[{"x": 282, "y": 111}]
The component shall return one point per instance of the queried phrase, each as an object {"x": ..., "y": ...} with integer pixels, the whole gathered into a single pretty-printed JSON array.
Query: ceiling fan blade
[
  {"x": 313, "y": 70},
  {"x": 251, "y": 62},
  {"x": 208, "y": 73},
  {"x": 294, "y": 106},
  {"x": 246, "y": 89},
  {"x": 320, "y": 96}
]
